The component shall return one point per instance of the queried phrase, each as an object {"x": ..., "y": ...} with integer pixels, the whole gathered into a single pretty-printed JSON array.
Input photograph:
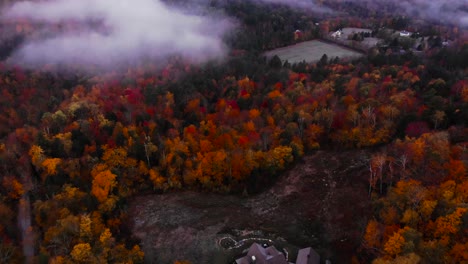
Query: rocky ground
[{"x": 321, "y": 202}]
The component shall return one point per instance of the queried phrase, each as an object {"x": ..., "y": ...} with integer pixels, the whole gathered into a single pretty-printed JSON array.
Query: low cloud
[
  {"x": 303, "y": 4},
  {"x": 445, "y": 11},
  {"x": 114, "y": 32},
  {"x": 451, "y": 11}
]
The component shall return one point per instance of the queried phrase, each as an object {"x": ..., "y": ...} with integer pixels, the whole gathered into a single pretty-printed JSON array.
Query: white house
[
  {"x": 405, "y": 33},
  {"x": 337, "y": 34}
]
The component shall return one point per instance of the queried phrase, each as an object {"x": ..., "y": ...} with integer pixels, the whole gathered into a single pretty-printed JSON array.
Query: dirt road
[{"x": 24, "y": 216}]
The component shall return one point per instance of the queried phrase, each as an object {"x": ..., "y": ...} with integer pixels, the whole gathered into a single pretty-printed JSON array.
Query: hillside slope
[{"x": 321, "y": 202}]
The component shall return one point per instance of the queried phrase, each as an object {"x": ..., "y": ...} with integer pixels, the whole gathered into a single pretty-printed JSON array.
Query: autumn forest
[{"x": 76, "y": 146}]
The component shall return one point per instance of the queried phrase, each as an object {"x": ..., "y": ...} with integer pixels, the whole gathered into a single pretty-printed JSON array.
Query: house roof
[
  {"x": 307, "y": 256},
  {"x": 405, "y": 33},
  {"x": 269, "y": 255}
]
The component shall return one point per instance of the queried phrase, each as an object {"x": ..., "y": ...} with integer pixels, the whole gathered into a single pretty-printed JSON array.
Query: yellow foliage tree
[
  {"x": 213, "y": 165},
  {"x": 103, "y": 183},
  {"x": 410, "y": 218},
  {"x": 158, "y": 180},
  {"x": 142, "y": 168},
  {"x": 37, "y": 155},
  {"x": 426, "y": 208},
  {"x": 449, "y": 224},
  {"x": 57, "y": 260},
  {"x": 106, "y": 237},
  {"x": 81, "y": 253},
  {"x": 136, "y": 254},
  {"x": 85, "y": 227},
  {"x": 115, "y": 157},
  {"x": 106, "y": 241},
  {"x": 279, "y": 157},
  {"x": 394, "y": 244},
  {"x": 50, "y": 165},
  {"x": 13, "y": 187},
  {"x": 373, "y": 234},
  {"x": 312, "y": 135}
]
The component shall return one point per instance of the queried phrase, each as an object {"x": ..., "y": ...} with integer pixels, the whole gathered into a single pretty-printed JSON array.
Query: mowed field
[{"x": 311, "y": 51}]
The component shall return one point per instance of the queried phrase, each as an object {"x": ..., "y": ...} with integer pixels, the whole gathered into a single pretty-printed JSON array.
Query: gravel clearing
[{"x": 321, "y": 202}]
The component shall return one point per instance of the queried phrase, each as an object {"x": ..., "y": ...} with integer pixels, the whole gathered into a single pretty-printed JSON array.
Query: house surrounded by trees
[{"x": 270, "y": 255}]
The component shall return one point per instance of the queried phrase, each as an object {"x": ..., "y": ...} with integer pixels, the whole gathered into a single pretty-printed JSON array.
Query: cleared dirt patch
[
  {"x": 312, "y": 51},
  {"x": 322, "y": 202}
]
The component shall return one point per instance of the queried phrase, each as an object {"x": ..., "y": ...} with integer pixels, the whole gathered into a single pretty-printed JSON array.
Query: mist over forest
[{"x": 108, "y": 33}]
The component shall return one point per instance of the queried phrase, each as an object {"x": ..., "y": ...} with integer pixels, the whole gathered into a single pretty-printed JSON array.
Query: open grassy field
[{"x": 311, "y": 51}]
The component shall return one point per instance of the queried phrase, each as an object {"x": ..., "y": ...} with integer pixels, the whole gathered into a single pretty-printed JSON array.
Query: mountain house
[{"x": 270, "y": 255}]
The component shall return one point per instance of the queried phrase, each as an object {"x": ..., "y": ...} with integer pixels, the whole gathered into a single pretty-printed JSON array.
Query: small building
[
  {"x": 260, "y": 255},
  {"x": 405, "y": 33},
  {"x": 337, "y": 34},
  {"x": 270, "y": 255}
]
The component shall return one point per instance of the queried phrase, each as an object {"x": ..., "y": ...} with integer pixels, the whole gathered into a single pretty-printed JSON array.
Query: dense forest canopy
[{"x": 76, "y": 144}]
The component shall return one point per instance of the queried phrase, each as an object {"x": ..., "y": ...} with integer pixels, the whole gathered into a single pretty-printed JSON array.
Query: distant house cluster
[{"x": 258, "y": 254}]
